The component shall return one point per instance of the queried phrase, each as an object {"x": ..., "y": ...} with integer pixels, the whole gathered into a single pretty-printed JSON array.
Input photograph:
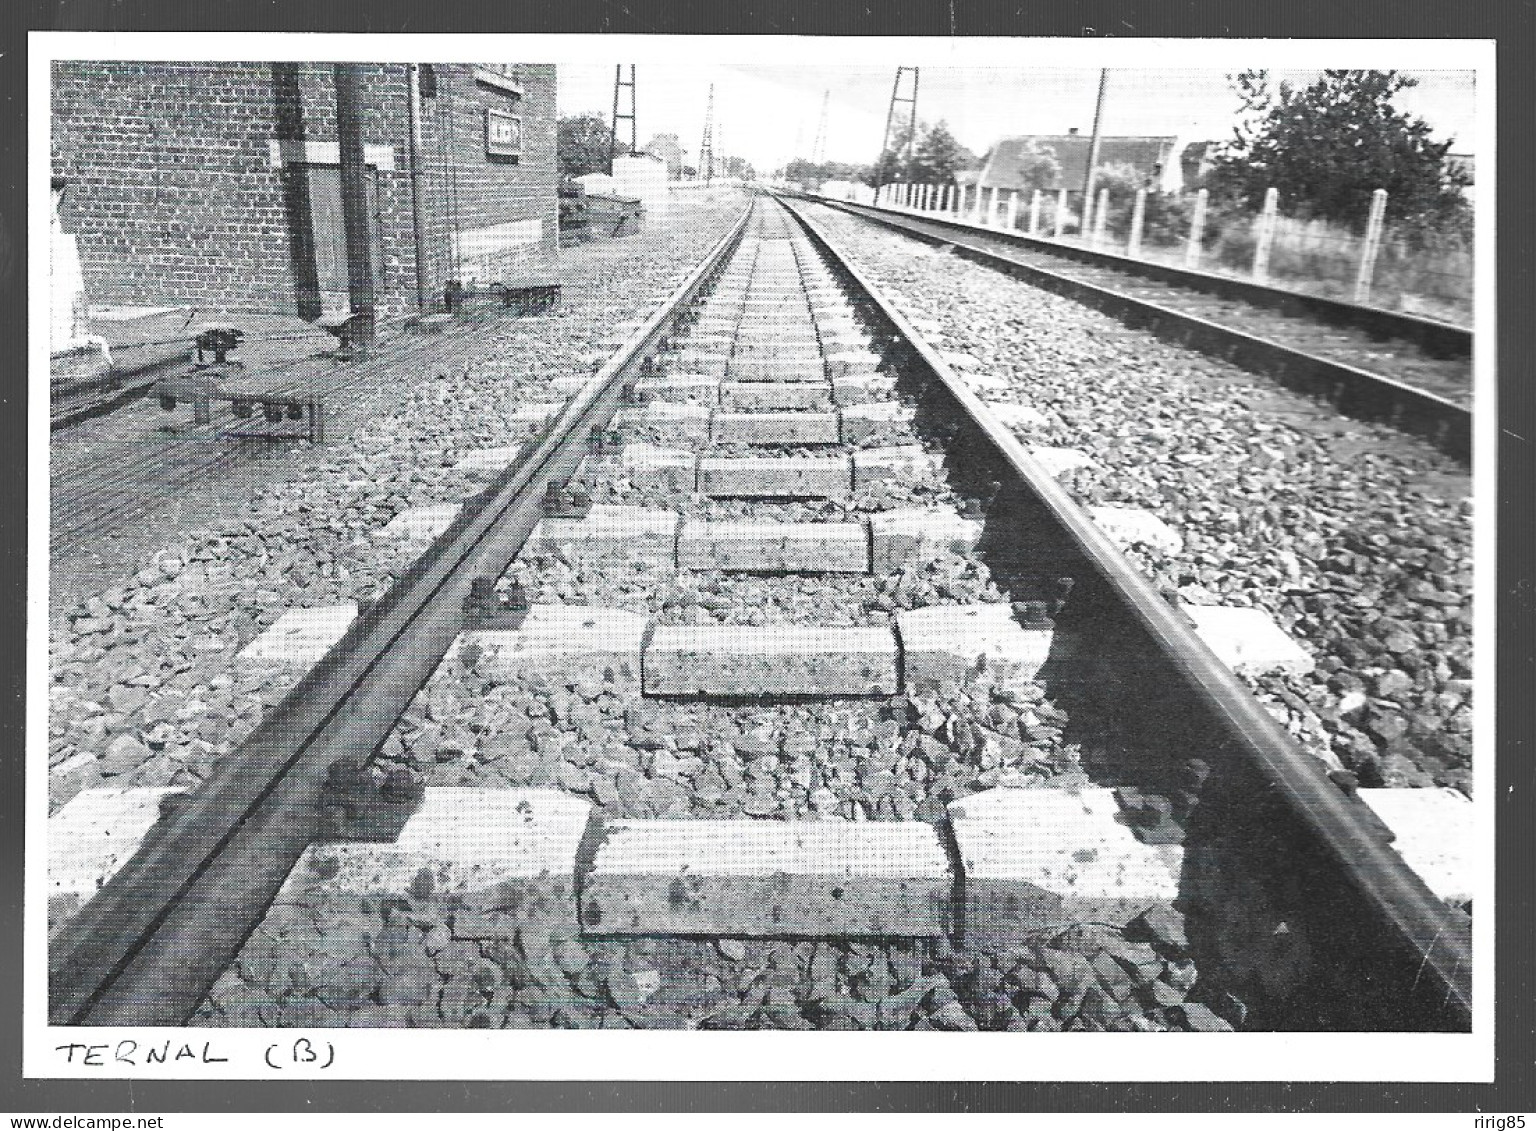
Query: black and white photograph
[{"x": 584, "y": 566}]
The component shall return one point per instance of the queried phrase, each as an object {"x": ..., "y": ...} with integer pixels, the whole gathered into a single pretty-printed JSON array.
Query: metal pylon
[
  {"x": 707, "y": 145},
  {"x": 890, "y": 115},
  {"x": 619, "y": 85}
]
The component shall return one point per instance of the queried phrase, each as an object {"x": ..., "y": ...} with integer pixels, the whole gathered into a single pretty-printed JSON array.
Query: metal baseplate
[
  {"x": 201, "y": 388},
  {"x": 486, "y": 610},
  {"x": 361, "y": 803}
]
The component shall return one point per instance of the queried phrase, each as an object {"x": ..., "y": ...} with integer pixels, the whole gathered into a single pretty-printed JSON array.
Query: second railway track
[
  {"x": 1415, "y": 373},
  {"x": 822, "y": 684}
]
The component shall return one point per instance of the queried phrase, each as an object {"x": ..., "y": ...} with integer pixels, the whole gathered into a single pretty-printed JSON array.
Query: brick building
[{"x": 218, "y": 184}]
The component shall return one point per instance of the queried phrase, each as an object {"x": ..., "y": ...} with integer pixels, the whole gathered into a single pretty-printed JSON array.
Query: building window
[
  {"x": 503, "y": 76},
  {"x": 503, "y": 136}
]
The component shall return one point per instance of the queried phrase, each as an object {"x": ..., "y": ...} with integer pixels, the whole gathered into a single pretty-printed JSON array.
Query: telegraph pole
[
  {"x": 819, "y": 146},
  {"x": 1093, "y": 150}
]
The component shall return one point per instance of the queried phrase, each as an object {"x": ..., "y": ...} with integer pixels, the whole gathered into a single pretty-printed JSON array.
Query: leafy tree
[
  {"x": 1327, "y": 146},
  {"x": 814, "y": 175},
  {"x": 1039, "y": 168},
  {"x": 670, "y": 150},
  {"x": 1166, "y": 216},
  {"x": 938, "y": 156},
  {"x": 582, "y": 143}
]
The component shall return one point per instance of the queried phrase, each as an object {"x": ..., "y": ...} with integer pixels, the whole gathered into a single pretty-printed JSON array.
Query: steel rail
[
  {"x": 1437, "y": 937},
  {"x": 1436, "y": 338},
  {"x": 1353, "y": 391},
  {"x": 153, "y": 940}
]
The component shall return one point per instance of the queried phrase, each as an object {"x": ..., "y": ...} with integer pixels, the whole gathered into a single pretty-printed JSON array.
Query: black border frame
[{"x": 1510, "y": 24}]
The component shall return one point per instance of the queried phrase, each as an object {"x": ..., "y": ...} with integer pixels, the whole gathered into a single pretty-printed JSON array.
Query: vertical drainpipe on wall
[
  {"x": 288, "y": 102},
  {"x": 418, "y": 220},
  {"x": 354, "y": 197}
]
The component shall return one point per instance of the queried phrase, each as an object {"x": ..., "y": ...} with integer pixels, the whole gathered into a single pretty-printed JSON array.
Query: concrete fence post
[
  {"x": 1013, "y": 210},
  {"x": 1138, "y": 218},
  {"x": 1266, "y": 235},
  {"x": 1061, "y": 211},
  {"x": 1101, "y": 217},
  {"x": 1034, "y": 213},
  {"x": 1196, "y": 229},
  {"x": 1372, "y": 247}
]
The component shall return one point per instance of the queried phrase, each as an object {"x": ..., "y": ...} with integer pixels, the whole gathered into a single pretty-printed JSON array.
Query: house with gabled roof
[{"x": 1156, "y": 158}]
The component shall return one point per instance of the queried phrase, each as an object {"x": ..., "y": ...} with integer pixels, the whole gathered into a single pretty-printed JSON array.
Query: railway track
[
  {"x": 855, "y": 690},
  {"x": 72, "y": 401},
  {"x": 1373, "y": 364}
]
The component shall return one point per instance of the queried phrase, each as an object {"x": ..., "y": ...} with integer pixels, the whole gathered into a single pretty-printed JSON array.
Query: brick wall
[
  {"x": 485, "y": 201},
  {"x": 175, "y": 199},
  {"x": 170, "y": 193}
]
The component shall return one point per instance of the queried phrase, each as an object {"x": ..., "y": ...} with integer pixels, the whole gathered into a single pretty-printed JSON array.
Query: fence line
[{"x": 1419, "y": 274}]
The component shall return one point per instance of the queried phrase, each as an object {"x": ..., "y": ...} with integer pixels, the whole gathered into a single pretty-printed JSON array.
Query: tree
[
  {"x": 804, "y": 172},
  {"x": 670, "y": 150},
  {"x": 583, "y": 143},
  {"x": 1038, "y": 168},
  {"x": 1328, "y": 146},
  {"x": 938, "y": 156}
]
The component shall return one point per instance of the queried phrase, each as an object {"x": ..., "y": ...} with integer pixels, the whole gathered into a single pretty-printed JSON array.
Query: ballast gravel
[
  {"x": 1355, "y": 538},
  {"x": 144, "y": 686}
]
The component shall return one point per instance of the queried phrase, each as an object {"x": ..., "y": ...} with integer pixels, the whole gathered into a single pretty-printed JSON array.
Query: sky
[{"x": 770, "y": 112}]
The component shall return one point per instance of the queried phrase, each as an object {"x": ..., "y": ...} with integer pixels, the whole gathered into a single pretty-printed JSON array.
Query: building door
[{"x": 330, "y": 234}]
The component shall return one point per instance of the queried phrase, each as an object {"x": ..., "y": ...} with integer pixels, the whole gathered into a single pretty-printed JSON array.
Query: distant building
[
  {"x": 670, "y": 150},
  {"x": 218, "y": 184},
  {"x": 1152, "y": 157}
]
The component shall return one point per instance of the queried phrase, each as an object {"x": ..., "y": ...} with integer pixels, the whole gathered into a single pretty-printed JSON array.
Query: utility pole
[
  {"x": 613, "y": 131},
  {"x": 890, "y": 117},
  {"x": 354, "y": 196},
  {"x": 819, "y": 146},
  {"x": 1093, "y": 151},
  {"x": 707, "y": 145}
]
